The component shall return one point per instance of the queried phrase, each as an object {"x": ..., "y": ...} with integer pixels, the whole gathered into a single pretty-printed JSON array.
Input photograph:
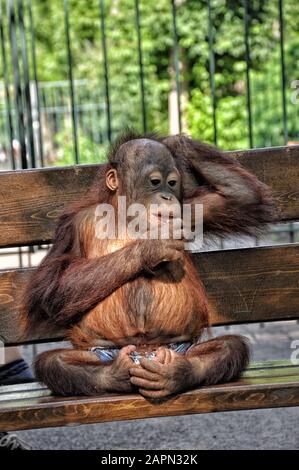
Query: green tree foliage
[{"x": 158, "y": 58}]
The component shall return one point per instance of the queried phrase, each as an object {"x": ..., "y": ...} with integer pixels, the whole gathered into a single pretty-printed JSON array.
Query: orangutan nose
[{"x": 166, "y": 197}]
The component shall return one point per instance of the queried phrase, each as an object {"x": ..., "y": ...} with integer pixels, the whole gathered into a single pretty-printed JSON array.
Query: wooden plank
[
  {"x": 278, "y": 167},
  {"x": 251, "y": 284},
  {"x": 270, "y": 373},
  {"x": 255, "y": 369},
  {"x": 21, "y": 398},
  {"x": 32, "y": 200},
  {"x": 267, "y": 369},
  {"x": 25, "y": 395},
  {"x": 21, "y": 387},
  {"x": 272, "y": 363},
  {"x": 273, "y": 366},
  {"x": 247, "y": 393},
  {"x": 246, "y": 285},
  {"x": 12, "y": 283}
]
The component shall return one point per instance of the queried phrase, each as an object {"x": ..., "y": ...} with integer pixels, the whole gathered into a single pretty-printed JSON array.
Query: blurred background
[{"x": 74, "y": 72}]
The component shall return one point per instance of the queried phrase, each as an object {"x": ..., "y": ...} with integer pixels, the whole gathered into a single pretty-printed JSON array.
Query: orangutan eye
[
  {"x": 155, "y": 181},
  {"x": 172, "y": 183}
]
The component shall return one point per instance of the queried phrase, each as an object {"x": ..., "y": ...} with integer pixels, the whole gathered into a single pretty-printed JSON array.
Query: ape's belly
[{"x": 146, "y": 311}]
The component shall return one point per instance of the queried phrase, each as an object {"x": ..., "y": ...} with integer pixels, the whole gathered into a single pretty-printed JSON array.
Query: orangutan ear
[{"x": 112, "y": 179}]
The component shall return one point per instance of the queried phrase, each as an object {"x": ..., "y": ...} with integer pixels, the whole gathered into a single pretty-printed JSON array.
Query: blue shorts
[{"x": 108, "y": 354}]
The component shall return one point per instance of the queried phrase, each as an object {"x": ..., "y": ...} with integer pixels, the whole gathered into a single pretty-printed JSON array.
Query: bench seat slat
[
  {"x": 270, "y": 373},
  {"x": 19, "y": 397},
  {"x": 273, "y": 367},
  {"x": 251, "y": 375},
  {"x": 272, "y": 363},
  {"x": 270, "y": 391},
  {"x": 42, "y": 396}
]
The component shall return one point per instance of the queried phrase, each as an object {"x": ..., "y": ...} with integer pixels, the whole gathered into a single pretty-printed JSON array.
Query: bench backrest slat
[
  {"x": 32, "y": 200},
  {"x": 244, "y": 285}
]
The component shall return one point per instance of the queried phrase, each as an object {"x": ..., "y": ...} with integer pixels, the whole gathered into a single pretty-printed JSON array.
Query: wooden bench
[{"x": 244, "y": 286}]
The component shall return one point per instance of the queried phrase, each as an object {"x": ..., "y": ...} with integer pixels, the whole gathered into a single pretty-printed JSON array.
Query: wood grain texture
[
  {"x": 12, "y": 284},
  {"x": 246, "y": 285},
  {"x": 278, "y": 167},
  {"x": 251, "y": 284},
  {"x": 32, "y": 200},
  {"x": 35, "y": 407}
]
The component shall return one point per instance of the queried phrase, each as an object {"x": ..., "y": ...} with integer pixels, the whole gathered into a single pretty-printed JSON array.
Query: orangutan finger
[
  {"x": 154, "y": 394},
  {"x": 144, "y": 374},
  {"x": 146, "y": 384},
  {"x": 152, "y": 366},
  {"x": 125, "y": 351},
  {"x": 160, "y": 355}
]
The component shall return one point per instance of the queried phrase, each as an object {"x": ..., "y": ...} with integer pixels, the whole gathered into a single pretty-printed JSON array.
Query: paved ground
[{"x": 261, "y": 429}]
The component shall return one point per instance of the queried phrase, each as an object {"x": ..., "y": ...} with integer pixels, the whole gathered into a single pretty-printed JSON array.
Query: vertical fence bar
[
  {"x": 212, "y": 69},
  {"x": 291, "y": 233},
  {"x": 248, "y": 64},
  {"x": 283, "y": 73},
  {"x": 70, "y": 78},
  {"x": 176, "y": 61},
  {"x": 34, "y": 65},
  {"x": 20, "y": 256},
  {"x": 106, "y": 73},
  {"x": 6, "y": 90},
  {"x": 141, "y": 70},
  {"x": 26, "y": 78},
  {"x": 29, "y": 257},
  {"x": 17, "y": 82}
]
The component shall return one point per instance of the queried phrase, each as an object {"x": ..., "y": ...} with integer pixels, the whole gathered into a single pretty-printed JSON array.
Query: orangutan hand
[
  {"x": 116, "y": 376},
  {"x": 167, "y": 374}
]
